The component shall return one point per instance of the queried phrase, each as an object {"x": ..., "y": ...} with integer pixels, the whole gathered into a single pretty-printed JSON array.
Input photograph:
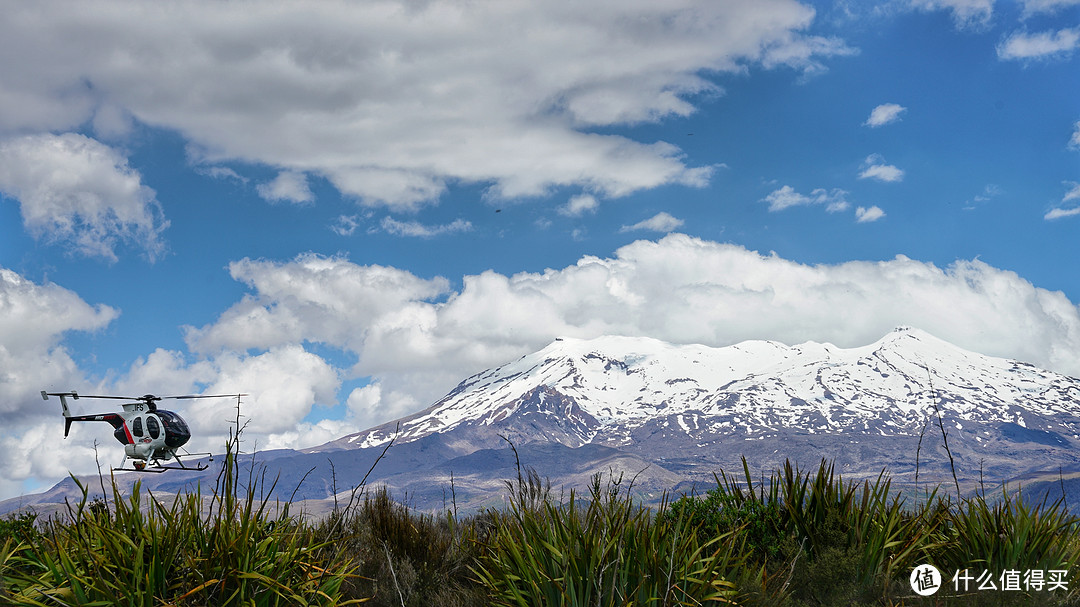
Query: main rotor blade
[
  {"x": 189, "y": 396},
  {"x": 143, "y": 398}
]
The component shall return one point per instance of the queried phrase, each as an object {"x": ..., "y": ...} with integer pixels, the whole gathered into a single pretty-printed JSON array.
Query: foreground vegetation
[{"x": 800, "y": 538}]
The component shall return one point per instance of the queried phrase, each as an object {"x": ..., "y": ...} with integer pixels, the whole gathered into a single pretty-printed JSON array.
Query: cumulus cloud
[
  {"x": 786, "y": 197},
  {"x": 416, "y": 346},
  {"x": 34, "y": 320},
  {"x": 326, "y": 297},
  {"x": 288, "y": 186},
  {"x": 80, "y": 193},
  {"x": 883, "y": 114},
  {"x": 391, "y": 101},
  {"x": 874, "y": 167},
  {"x": 867, "y": 215},
  {"x": 661, "y": 222},
  {"x": 1042, "y": 45}
]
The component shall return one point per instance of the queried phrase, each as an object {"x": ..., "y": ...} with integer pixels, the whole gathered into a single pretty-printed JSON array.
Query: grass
[{"x": 801, "y": 537}]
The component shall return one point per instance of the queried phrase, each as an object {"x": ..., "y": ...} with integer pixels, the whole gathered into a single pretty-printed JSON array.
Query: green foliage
[
  {"x": 19, "y": 527},
  {"x": 1011, "y": 535},
  {"x": 608, "y": 552},
  {"x": 798, "y": 538},
  {"x": 403, "y": 557},
  {"x": 757, "y": 522}
]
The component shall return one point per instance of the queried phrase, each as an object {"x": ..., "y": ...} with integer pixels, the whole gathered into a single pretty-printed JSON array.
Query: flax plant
[
  {"x": 1012, "y": 535},
  {"x": 607, "y": 552}
]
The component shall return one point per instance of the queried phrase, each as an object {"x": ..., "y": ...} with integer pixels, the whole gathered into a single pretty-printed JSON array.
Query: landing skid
[{"x": 158, "y": 467}]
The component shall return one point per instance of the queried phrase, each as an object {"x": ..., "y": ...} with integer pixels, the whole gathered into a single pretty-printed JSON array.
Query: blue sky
[{"x": 343, "y": 209}]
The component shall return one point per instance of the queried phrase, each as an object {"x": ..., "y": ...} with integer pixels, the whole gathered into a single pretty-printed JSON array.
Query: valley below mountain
[{"x": 669, "y": 416}]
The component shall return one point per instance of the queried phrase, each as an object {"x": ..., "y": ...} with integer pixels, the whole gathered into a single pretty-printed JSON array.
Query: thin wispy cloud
[
  {"x": 661, "y": 222},
  {"x": 1036, "y": 7},
  {"x": 419, "y": 230},
  {"x": 1042, "y": 45},
  {"x": 988, "y": 193},
  {"x": 967, "y": 14},
  {"x": 1070, "y": 203}
]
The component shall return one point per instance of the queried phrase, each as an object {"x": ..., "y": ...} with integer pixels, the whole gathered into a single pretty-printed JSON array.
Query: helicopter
[{"x": 150, "y": 435}]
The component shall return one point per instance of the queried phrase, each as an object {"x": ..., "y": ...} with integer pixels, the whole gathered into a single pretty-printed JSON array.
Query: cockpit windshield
[{"x": 176, "y": 430}]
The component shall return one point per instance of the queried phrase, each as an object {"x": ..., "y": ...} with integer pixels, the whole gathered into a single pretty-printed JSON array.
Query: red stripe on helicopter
[{"x": 127, "y": 432}]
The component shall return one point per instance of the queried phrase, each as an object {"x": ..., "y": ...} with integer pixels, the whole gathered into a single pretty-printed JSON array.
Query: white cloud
[
  {"x": 786, "y": 197},
  {"x": 221, "y": 173},
  {"x": 327, "y": 297},
  {"x": 1059, "y": 213},
  {"x": 661, "y": 222},
  {"x": 282, "y": 385},
  {"x": 34, "y": 320},
  {"x": 1072, "y": 203},
  {"x": 680, "y": 289},
  {"x": 867, "y": 215},
  {"x": 1043, "y": 45},
  {"x": 579, "y": 205},
  {"x": 1074, "y": 140},
  {"x": 419, "y": 230},
  {"x": 1034, "y": 7},
  {"x": 416, "y": 338},
  {"x": 1073, "y": 193},
  {"x": 966, "y": 13},
  {"x": 345, "y": 225},
  {"x": 80, "y": 193},
  {"x": 883, "y": 114},
  {"x": 990, "y": 191},
  {"x": 288, "y": 186},
  {"x": 391, "y": 101},
  {"x": 874, "y": 167}
]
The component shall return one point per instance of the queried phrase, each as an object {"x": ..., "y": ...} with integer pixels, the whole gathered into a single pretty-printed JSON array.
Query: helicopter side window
[
  {"x": 152, "y": 426},
  {"x": 136, "y": 427}
]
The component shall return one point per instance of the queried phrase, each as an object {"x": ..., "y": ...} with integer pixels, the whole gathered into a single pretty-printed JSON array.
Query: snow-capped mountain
[
  {"x": 608, "y": 390},
  {"x": 672, "y": 415}
]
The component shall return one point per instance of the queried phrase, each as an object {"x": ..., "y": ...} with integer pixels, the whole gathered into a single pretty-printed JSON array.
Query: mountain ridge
[{"x": 755, "y": 387}]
